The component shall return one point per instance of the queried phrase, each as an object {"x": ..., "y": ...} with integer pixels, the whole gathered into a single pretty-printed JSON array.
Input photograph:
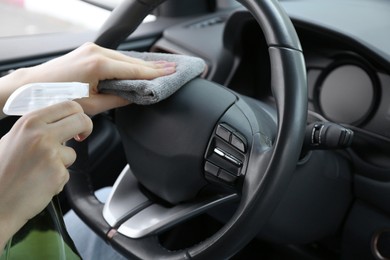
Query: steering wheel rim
[{"x": 260, "y": 192}]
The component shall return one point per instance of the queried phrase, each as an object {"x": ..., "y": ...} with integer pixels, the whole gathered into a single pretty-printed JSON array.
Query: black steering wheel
[{"x": 203, "y": 146}]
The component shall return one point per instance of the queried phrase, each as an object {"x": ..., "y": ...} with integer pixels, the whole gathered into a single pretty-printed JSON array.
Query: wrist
[
  {"x": 11, "y": 82},
  {"x": 20, "y": 77}
]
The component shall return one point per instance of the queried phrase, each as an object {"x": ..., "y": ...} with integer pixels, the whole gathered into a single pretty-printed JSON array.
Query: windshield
[{"x": 32, "y": 17}]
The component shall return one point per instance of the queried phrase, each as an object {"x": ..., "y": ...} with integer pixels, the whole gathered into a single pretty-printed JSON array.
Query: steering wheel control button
[
  {"x": 233, "y": 160},
  {"x": 239, "y": 142},
  {"x": 219, "y": 152},
  {"x": 228, "y": 156},
  {"x": 223, "y": 132},
  {"x": 231, "y": 136},
  {"x": 226, "y": 176},
  {"x": 211, "y": 169}
]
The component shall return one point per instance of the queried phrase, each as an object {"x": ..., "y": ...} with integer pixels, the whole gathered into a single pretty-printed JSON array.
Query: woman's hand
[
  {"x": 34, "y": 161},
  {"x": 90, "y": 64}
]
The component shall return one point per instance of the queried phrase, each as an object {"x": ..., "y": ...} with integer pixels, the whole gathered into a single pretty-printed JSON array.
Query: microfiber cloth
[{"x": 146, "y": 92}]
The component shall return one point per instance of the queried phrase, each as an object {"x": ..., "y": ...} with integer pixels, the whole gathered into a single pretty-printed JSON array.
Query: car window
[
  {"x": 32, "y": 17},
  {"x": 29, "y": 17}
]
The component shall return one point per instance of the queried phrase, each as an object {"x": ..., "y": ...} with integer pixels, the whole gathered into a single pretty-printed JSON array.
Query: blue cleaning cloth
[{"x": 146, "y": 92}]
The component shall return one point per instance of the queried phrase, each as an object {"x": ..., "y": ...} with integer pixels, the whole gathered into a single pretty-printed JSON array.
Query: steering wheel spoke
[{"x": 134, "y": 215}]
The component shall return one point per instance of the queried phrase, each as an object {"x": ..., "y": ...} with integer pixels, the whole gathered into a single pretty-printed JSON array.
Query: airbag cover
[{"x": 165, "y": 142}]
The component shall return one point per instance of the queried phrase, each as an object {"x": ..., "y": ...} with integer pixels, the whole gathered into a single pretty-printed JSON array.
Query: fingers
[
  {"x": 68, "y": 155},
  {"x": 115, "y": 55},
  {"x": 60, "y": 122},
  {"x": 57, "y": 112},
  {"x": 118, "y": 56},
  {"x": 125, "y": 70},
  {"x": 66, "y": 120},
  {"x": 62, "y": 179},
  {"x": 96, "y": 104},
  {"x": 78, "y": 124},
  {"x": 111, "y": 64}
]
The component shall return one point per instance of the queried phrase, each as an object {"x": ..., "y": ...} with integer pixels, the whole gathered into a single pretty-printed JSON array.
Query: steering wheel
[{"x": 218, "y": 147}]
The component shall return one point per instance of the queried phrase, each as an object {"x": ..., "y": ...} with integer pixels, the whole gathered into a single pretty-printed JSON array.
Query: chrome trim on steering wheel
[{"x": 133, "y": 215}]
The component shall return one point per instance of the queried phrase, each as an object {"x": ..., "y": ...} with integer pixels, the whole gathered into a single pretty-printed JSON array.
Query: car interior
[{"x": 280, "y": 150}]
